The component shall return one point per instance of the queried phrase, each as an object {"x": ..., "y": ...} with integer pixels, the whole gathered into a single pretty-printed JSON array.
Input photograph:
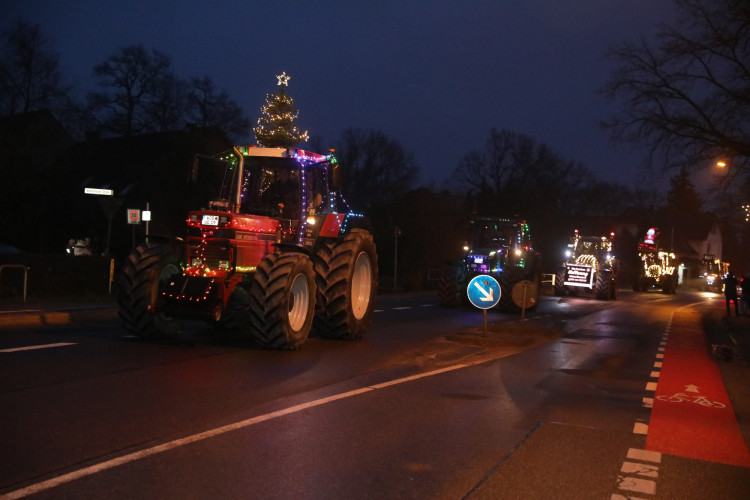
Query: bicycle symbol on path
[{"x": 681, "y": 397}]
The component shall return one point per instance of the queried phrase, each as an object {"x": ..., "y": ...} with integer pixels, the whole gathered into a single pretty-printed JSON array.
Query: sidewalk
[{"x": 56, "y": 312}]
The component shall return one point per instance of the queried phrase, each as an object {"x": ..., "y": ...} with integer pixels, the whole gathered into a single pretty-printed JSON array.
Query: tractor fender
[
  {"x": 336, "y": 225},
  {"x": 292, "y": 248},
  {"x": 331, "y": 226}
]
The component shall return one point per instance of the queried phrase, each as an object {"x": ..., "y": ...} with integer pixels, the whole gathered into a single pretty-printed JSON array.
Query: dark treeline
[{"x": 153, "y": 121}]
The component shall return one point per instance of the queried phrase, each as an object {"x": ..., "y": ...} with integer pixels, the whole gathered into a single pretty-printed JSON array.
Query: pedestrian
[
  {"x": 745, "y": 298},
  {"x": 730, "y": 292}
]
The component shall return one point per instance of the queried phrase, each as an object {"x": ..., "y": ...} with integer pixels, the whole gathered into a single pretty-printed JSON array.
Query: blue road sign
[{"x": 483, "y": 292}]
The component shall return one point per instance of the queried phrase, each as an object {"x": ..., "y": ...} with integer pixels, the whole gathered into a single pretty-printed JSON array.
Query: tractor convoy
[
  {"x": 276, "y": 254},
  {"x": 589, "y": 266},
  {"x": 498, "y": 247},
  {"x": 657, "y": 268}
]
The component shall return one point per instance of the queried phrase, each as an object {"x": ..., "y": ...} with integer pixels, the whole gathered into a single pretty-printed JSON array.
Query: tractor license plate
[{"x": 210, "y": 220}]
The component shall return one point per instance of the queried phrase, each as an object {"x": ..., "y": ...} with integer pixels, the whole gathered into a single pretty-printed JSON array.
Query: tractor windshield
[
  {"x": 494, "y": 235},
  {"x": 272, "y": 186},
  {"x": 283, "y": 187}
]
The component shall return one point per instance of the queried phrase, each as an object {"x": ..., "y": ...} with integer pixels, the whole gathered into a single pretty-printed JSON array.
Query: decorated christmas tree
[{"x": 276, "y": 128}]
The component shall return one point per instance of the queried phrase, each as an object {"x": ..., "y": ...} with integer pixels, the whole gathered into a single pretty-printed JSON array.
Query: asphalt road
[{"x": 428, "y": 405}]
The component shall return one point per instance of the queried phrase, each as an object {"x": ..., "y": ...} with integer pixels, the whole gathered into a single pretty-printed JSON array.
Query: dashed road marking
[
  {"x": 644, "y": 455},
  {"x": 640, "y": 469},
  {"x": 640, "y": 428},
  {"x": 633, "y": 468},
  {"x": 636, "y": 484}
]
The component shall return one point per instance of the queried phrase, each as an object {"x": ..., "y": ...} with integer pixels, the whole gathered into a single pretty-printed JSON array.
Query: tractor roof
[{"x": 299, "y": 154}]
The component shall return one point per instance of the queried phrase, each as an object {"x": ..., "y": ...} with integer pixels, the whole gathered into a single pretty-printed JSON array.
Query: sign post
[
  {"x": 524, "y": 295},
  {"x": 484, "y": 293},
  {"x": 109, "y": 204}
]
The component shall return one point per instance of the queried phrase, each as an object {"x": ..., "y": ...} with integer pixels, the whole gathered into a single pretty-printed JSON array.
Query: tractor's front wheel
[
  {"x": 147, "y": 266},
  {"x": 605, "y": 286},
  {"x": 282, "y": 300},
  {"x": 347, "y": 280}
]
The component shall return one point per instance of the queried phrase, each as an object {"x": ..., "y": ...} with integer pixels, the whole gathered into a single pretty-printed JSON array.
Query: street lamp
[{"x": 721, "y": 164}]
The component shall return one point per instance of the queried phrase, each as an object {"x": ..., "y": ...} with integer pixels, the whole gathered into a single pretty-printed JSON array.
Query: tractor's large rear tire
[
  {"x": 507, "y": 281},
  {"x": 560, "y": 282},
  {"x": 146, "y": 267},
  {"x": 451, "y": 287},
  {"x": 282, "y": 300},
  {"x": 347, "y": 280}
]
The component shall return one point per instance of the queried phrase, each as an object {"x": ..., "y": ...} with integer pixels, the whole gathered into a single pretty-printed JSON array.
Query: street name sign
[{"x": 98, "y": 191}]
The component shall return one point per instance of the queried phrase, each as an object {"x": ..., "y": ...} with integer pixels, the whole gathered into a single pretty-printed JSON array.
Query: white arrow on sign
[
  {"x": 488, "y": 297},
  {"x": 691, "y": 388}
]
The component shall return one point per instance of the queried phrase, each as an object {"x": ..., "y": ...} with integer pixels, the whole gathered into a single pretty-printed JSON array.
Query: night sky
[{"x": 432, "y": 75}]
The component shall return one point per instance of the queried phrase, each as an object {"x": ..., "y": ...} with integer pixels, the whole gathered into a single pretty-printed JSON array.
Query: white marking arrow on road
[
  {"x": 488, "y": 297},
  {"x": 691, "y": 388}
]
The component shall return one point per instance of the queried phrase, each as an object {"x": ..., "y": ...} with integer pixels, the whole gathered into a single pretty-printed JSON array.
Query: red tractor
[{"x": 275, "y": 255}]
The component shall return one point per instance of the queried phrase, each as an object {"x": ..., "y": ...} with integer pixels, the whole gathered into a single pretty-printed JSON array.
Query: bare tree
[
  {"x": 167, "y": 104},
  {"x": 209, "y": 107},
  {"x": 687, "y": 97},
  {"x": 376, "y": 169},
  {"x": 30, "y": 78},
  {"x": 515, "y": 174},
  {"x": 133, "y": 80}
]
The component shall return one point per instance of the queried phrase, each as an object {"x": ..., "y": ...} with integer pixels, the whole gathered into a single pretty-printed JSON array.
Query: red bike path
[{"x": 692, "y": 416}]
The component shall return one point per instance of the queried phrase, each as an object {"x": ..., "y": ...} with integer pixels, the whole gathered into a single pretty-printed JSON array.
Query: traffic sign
[
  {"x": 483, "y": 292},
  {"x": 134, "y": 216},
  {"x": 524, "y": 294}
]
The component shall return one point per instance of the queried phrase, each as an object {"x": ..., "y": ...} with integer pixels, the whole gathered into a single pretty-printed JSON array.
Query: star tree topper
[{"x": 283, "y": 79}]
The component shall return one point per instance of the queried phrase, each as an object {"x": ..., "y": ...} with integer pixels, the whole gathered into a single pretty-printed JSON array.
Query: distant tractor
[
  {"x": 589, "y": 266},
  {"x": 712, "y": 270},
  {"x": 501, "y": 248},
  {"x": 657, "y": 270},
  {"x": 275, "y": 255}
]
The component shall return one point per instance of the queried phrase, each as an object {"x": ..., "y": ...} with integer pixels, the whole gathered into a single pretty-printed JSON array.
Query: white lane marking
[
  {"x": 644, "y": 455},
  {"x": 637, "y": 485},
  {"x": 131, "y": 457},
  {"x": 657, "y": 364},
  {"x": 33, "y": 347},
  {"x": 401, "y": 308},
  {"x": 651, "y": 386},
  {"x": 655, "y": 374},
  {"x": 647, "y": 470},
  {"x": 648, "y": 402},
  {"x": 640, "y": 428}
]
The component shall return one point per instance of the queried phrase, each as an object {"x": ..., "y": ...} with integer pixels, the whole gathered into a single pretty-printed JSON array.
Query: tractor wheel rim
[
  {"x": 299, "y": 301},
  {"x": 361, "y": 285}
]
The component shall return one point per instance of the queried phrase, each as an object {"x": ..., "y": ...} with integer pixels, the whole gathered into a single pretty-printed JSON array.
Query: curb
[{"x": 38, "y": 318}]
